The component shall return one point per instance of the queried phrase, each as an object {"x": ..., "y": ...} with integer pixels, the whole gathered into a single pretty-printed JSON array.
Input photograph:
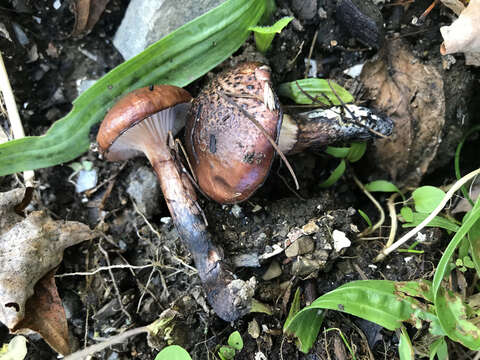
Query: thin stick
[
  {"x": 377, "y": 205},
  {"x": 13, "y": 116},
  {"x": 393, "y": 219},
  {"x": 310, "y": 52},
  {"x": 264, "y": 132},
  {"x": 106, "y": 268},
  {"x": 455, "y": 187},
  {"x": 82, "y": 354}
]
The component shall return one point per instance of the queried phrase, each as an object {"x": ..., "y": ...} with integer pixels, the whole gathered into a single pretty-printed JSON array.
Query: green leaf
[
  {"x": 173, "y": 352},
  {"x": 304, "y": 325},
  {"x": 226, "y": 352},
  {"x": 447, "y": 306},
  {"x": 338, "y": 152},
  {"x": 457, "y": 160},
  {"x": 383, "y": 302},
  {"x": 383, "y": 186},
  {"x": 405, "y": 348},
  {"x": 439, "y": 348},
  {"x": 235, "y": 341},
  {"x": 407, "y": 213},
  {"x": 318, "y": 89},
  {"x": 474, "y": 240},
  {"x": 177, "y": 59},
  {"x": 357, "y": 150},
  {"x": 365, "y": 217},
  {"x": 264, "y": 34},
  {"x": 335, "y": 175},
  {"x": 427, "y": 198},
  {"x": 437, "y": 221}
]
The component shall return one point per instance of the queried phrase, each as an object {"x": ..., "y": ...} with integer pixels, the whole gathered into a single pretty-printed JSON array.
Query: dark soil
[{"x": 45, "y": 81}]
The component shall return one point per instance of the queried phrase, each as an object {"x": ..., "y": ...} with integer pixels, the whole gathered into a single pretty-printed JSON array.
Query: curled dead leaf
[
  {"x": 87, "y": 13},
  {"x": 411, "y": 93},
  {"x": 30, "y": 248}
]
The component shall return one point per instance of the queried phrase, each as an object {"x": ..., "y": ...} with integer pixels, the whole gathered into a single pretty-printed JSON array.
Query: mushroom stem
[
  {"x": 322, "y": 127},
  {"x": 230, "y": 298}
]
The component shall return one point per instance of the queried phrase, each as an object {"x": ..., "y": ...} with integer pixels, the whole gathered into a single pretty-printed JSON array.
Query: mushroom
[
  {"x": 231, "y": 154},
  {"x": 140, "y": 123},
  {"x": 235, "y": 122}
]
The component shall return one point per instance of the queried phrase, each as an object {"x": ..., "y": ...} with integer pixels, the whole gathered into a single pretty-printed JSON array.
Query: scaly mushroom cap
[
  {"x": 230, "y": 155},
  {"x": 158, "y": 103}
]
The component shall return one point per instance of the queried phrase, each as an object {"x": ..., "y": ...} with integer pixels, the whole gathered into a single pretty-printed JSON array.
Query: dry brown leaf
[
  {"x": 411, "y": 93},
  {"x": 30, "y": 248},
  {"x": 44, "y": 314},
  {"x": 87, "y": 14},
  {"x": 463, "y": 35}
]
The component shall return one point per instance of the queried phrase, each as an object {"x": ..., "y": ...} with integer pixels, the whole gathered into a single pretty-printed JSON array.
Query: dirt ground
[{"x": 44, "y": 75}]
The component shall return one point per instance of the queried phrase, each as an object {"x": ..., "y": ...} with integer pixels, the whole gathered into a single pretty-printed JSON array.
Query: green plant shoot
[
  {"x": 315, "y": 91},
  {"x": 264, "y": 34}
]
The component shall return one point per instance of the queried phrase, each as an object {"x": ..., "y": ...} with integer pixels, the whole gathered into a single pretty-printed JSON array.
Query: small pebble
[
  {"x": 254, "y": 329},
  {"x": 86, "y": 180},
  {"x": 310, "y": 228},
  {"x": 303, "y": 245},
  {"x": 273, "y": 271},
  {"x": 236, "y": 211},
  {"x": 340, "y": 240}
]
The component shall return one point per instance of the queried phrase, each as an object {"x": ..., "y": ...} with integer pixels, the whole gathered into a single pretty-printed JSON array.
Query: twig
[
  {"x": 377, "y": 205},
  {"x": 310, "y": 52},
  {"x": 455, "y": 187},
  {"x": 393, "y": 219},
  {"x": 82, "y": 354},
  {"x": 13, "y": 116},
  {"x": 106, "y": 268}
]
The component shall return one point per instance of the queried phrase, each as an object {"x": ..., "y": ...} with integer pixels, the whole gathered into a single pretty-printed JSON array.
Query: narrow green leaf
[
  {"x": 177, "y": 59},
  {"x": 383, "y": 186},
  {"x": 365, "y": 217},
  {"x": 235, "y": 341},
  {"x": 318, "y": 89},
  {"x": 427, "y": 198},
  {"x": 264, "y": 34},
  {"x": 439, "y": 348},
  {"x": 447, "y": 315},
  {"x": 357, "y": 150},
  {"x": 294, "y": 308},
  {"x": 173, "y": 352},
  {"x": 405, "y": 348},
  {"x": 335, "y": 175},
  {"x": 457, "y": 160},
  {"x": 338, "y": 152}
]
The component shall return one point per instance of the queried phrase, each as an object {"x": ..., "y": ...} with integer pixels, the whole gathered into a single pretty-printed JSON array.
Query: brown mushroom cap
[
  {"x": 131, "y": 110},
  {"x": 230, "y": 155}
]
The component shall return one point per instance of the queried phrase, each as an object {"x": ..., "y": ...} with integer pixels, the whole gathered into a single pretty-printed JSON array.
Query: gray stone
[
  {"x": 143, "y": 187},
  {"x": 305, "y": 9},
  {"x": 147, "y": 21},
  {"x": 273, "y": 271},
  {"x": 303, "y": 245}
]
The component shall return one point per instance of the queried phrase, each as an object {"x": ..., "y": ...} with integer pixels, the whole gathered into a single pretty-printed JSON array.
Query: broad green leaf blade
[
  {"x": 338, "y": 152},
  {"x": 438, "y": 221},
  {"x": 383, "y": 186},
  {"x": 173, "y": 352},
  {"x": 318, "y": 89},
  {"x": 407, "y": 213},
  {"x": 452, "y": 313},
  {"x": 335, "y": 175},
  {"x": 427, "y": 198},
  {"x": 235, "y": 341},
  {"x": 177, "y": 59},
  {"x": 357, "y": 150},
  {"x": 380, "y": 301}
]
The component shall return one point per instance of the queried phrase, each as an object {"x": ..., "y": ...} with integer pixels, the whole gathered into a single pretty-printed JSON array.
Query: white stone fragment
[{"x": 340, "y": 240}]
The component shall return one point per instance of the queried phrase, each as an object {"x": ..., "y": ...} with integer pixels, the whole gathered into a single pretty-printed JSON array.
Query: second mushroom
[{"x": 139, "y": 124}]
